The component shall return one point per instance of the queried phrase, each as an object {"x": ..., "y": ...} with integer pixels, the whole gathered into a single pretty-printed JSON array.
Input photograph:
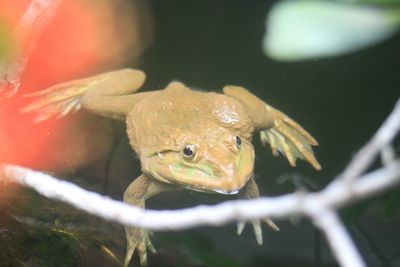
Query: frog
[{"x": 184, "y": 138}]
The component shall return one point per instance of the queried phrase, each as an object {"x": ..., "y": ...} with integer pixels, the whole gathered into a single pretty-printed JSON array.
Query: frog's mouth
[
  {"x": 204, "y": 179},
  {"x": 198, "y": 180},
  {"x": 223, "y": 192}
]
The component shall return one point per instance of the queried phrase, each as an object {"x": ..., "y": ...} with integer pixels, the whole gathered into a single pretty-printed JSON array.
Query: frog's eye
[
  {"x": 189, "y": 151},
  {"x": 238, "y": 141}
]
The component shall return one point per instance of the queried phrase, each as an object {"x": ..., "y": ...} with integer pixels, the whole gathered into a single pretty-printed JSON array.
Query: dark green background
[{"x": 341, "y": 101}]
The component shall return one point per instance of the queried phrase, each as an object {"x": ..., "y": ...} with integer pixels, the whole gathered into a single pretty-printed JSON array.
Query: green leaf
[{"x": 298, "y": 30}]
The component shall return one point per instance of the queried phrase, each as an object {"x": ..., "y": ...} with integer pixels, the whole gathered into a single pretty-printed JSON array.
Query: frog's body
[
  {"x": 196, "y": 140},
  {"x": 210, "y": 122}
]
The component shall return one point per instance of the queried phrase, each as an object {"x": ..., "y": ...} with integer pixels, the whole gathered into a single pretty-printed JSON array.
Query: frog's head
[{"x": 222, "y": 164}]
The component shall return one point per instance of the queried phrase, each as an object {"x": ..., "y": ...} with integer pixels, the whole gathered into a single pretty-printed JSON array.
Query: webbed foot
[
  {"x": 59, "y": 100},
  {"x": 108, "y": 94},
  {"x": 277, "y": 129},
  {"x": 250, "y": 192},
  {"x": 289, "y": 138},
  {"x": 138, "y": 239},
  {"x": 257, "y": 228}
]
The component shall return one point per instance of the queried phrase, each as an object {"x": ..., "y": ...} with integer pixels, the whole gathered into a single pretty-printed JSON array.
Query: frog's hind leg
[
  {"x": 109, "y": 94},
  {"x": 141, "y": 189},
  {"x": 281, "y": 132}
]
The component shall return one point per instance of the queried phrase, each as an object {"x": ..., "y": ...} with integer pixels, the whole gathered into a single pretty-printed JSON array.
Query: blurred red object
[{"x": 84, "y": 38}]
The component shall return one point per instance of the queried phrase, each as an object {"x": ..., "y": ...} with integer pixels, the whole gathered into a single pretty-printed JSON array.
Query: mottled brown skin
[
  {"x": 185, "y": 139},
  {"x": 161, "y": 124}
]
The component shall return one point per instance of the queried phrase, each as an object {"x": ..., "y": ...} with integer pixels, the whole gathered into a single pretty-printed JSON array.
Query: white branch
[
  {"x": 318, "y": 206},
  {"x": 338, "y": 238},
  {"x": 34, "y": 21},
  {"x": 335, "y": 195}
]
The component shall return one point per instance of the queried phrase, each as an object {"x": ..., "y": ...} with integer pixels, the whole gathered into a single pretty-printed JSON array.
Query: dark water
[{"x": 341, "y": 101}]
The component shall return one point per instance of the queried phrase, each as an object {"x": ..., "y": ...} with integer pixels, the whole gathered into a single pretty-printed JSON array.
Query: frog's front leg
[
  {"x": 136, "y": 194},
  {"x": 251, "y": 191},
  {"x": 110, "y": 94},
  {"x": 281, "y": 132}
]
